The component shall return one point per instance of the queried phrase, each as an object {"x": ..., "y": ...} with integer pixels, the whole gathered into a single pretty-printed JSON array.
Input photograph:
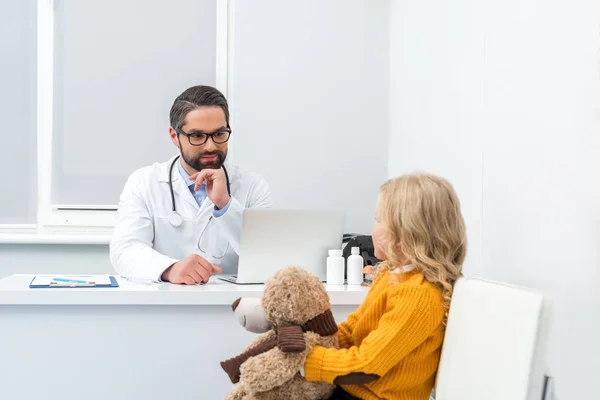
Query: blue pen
[{"x": 68, "y": 280}]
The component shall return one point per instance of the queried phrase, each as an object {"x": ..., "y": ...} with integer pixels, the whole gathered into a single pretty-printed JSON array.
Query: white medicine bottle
[
  {"x": 355, "y": 267},
  {"x": 335, "y": 267}
]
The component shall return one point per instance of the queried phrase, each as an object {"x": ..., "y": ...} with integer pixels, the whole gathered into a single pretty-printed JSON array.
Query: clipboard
[{"x": 73, "y": 281}]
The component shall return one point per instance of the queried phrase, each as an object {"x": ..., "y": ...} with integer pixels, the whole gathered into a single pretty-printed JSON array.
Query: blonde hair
[{"x": 421, "y": 212}]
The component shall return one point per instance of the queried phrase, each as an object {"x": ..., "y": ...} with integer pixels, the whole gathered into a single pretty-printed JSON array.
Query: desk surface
[{"x": 14, "y": 290}]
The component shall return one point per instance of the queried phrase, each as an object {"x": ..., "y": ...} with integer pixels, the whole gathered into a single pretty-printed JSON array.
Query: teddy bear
[{"x": 293, "y": 315}]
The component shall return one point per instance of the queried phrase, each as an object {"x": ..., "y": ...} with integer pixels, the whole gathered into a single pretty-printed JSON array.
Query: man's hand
[
  {"x": 190, "y": 271},
  {"x": 216, "y": 185}
]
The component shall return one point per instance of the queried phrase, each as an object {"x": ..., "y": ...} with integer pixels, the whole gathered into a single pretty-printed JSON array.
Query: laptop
[{"x": 273, "y": 239}]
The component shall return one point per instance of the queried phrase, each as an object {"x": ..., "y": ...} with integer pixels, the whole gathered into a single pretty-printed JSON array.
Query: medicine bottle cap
[
  {"x": 355, "y": 250},
  {"x": 335, "y": 253}
]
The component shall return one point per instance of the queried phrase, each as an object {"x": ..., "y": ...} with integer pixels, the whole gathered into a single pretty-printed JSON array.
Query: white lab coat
[{"x": 144, "y": 243}]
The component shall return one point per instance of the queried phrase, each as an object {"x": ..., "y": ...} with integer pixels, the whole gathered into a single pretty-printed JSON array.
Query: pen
[{"x": 68, "y": 280}]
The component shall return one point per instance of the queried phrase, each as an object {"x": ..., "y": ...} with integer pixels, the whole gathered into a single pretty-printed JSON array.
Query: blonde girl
[{"x": 390, "y": 346}]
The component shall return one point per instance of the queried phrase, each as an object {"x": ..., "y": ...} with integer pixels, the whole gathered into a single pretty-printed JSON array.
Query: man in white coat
[{"x": 180, "y": 221}]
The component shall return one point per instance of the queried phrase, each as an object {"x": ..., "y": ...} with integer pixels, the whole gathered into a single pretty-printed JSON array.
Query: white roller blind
[
  {"x": 18, "y": 111},
  {"x": 119, "y": 64}
]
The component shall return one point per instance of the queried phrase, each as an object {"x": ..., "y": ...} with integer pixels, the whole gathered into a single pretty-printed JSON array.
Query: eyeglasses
[{"x": 199, "y": 138}]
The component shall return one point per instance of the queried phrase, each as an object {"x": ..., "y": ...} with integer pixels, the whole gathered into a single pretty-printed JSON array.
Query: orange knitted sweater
[{"x": 390, "y": 346}]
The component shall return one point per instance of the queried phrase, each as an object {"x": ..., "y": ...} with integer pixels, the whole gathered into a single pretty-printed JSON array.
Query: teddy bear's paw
[
  {"x": 312, "y": 339},
  {"x": 300, "y": 389},
  {"x": 320, "y": 390}
]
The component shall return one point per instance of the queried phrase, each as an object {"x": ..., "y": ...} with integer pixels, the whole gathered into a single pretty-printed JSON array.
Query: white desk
[{"x": 137, "y": 341}]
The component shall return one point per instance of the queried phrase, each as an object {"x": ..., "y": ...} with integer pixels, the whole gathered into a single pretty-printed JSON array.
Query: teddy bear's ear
[
  {"x": 290, "y": 339},
  {"x": 236, "y": 303}
]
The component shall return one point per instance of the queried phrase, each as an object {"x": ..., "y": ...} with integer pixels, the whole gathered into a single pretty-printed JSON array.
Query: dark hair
[{"x": 196, "y": 97}]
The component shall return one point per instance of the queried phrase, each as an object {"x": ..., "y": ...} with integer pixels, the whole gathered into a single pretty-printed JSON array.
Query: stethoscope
[{"x": 175, "y": 218}]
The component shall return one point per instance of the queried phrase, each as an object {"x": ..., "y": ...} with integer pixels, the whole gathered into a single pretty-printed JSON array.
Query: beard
[{"x": 196, "y": 163}]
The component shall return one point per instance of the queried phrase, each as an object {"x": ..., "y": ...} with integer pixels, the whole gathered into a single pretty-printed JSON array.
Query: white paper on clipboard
[{"x": 46, "y": 280}]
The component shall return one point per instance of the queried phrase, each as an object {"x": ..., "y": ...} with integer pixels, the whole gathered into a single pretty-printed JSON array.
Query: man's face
[{"x": 197, "y": 123}]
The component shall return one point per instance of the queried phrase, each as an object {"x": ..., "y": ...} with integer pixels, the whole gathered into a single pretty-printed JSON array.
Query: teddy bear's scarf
[
  {"x": 323, "y": 324},
  {"x": 289, "y": 339}
]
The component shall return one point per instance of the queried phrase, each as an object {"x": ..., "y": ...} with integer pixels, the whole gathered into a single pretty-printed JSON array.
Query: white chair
[{"x": 494, "y": 347}]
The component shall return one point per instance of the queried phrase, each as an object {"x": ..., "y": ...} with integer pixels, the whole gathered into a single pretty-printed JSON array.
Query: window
[
  {"x": 94, "y": 104},
  {"x": 90, "y": 85}
]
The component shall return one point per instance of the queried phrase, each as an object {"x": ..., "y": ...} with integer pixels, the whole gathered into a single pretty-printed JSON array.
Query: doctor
[{"x": 180, "y": 221}]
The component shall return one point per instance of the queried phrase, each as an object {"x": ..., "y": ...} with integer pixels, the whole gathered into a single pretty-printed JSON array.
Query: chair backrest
[{"x": 495, "y": 342}]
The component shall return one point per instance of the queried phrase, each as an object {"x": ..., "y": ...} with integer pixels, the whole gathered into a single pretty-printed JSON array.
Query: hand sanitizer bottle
[
  {"x": 355, "y": 266},
  {"x": 335, "y": 268}
]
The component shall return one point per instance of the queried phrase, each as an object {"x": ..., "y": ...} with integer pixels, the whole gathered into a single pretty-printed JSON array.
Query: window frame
[{"x": 87, "y": 224}]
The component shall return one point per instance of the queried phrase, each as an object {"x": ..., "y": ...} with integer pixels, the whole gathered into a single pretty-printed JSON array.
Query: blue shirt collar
[{"x": 186, "y": 177}]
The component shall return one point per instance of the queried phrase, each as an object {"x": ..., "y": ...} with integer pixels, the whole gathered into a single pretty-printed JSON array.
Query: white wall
[
  {"x": 53, "y": 259},
  {"x": 310, "y": 93},
  {"x": 515, "y": 85},
  {"x": 436, "y": 58},
  {"x": 542, "y": 170}
]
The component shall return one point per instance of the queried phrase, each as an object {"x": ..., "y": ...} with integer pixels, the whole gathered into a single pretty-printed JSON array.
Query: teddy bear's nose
[{"x": 236, "y": 303}]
